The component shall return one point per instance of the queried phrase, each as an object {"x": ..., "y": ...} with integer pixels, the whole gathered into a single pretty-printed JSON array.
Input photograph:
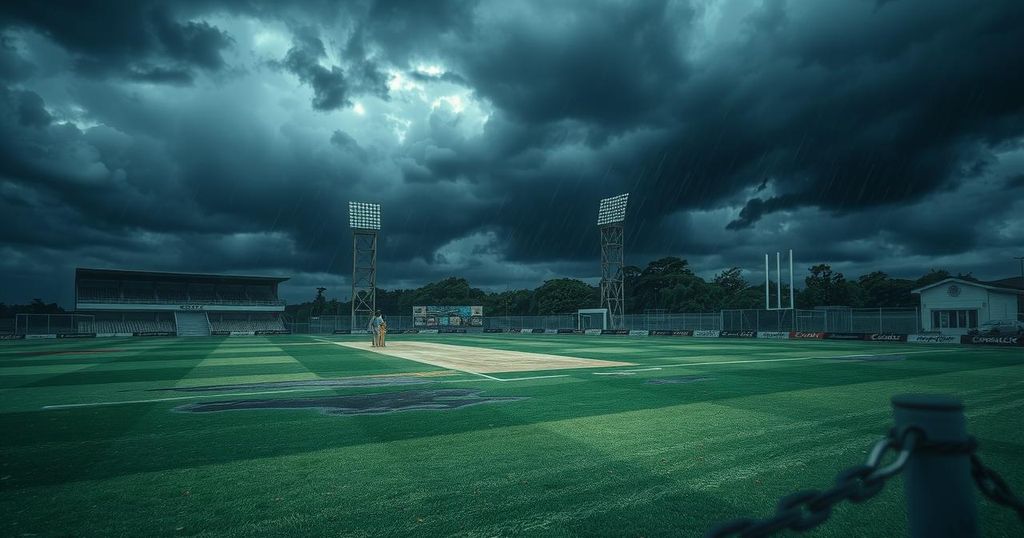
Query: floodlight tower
[
  {"x": 364, "y": 219},
  {"x": 610, "y": 216}
]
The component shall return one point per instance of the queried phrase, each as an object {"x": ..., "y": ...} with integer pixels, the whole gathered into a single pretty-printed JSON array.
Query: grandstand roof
[{"x": 84, "y": 272}]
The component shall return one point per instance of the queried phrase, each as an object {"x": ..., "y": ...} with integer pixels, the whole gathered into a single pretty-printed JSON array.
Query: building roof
[
  {"x": 997, "y": 285},
  {"x": 84, "y": 272},
  {"x": 1014, "y": 282}
]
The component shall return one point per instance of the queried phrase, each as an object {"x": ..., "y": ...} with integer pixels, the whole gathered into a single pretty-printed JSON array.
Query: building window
[{"x": 954, "y": 319}]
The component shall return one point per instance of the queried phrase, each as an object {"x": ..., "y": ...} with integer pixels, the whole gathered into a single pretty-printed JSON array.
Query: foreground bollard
[{"x": 938, "y": 486}]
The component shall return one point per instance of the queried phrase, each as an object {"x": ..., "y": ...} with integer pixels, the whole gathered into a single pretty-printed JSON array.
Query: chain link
[
  {"x": 806, "y": 510},
  {"x": 994, "y": 487}
]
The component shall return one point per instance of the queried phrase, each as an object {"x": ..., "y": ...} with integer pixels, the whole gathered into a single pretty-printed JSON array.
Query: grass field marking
[
  {"x": 479, "y": 374},
  {"x": 531, "y": 377},
  {"x": 173, "y": 398},
  {"x": 806, "y": 358},
  {"x": 641, "y": 369}
]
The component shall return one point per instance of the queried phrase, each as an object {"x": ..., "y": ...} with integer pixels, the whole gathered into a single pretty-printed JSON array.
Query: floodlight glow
[
  {"x": 612, "y": 210},
  {"x": 364, "y": 216}
]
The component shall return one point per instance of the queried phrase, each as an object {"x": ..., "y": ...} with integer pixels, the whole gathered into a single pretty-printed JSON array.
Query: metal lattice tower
[
  {"x": 610, "y": 216},
  {"x": 364, "y": 219}
]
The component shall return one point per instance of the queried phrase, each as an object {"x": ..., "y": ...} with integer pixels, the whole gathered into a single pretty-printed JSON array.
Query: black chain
[
  {"x": 988, "y": 481},
  {"x": 994, "y": 487},
  {"x": 806, "y": 510}
]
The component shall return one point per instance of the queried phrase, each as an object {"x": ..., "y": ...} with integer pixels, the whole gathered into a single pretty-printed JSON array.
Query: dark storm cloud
[
  {"x": 616, "y": 65},
  {"x": 226, "y": 136},
  {"x": 843, "y": 107},
  {"x": 141, "y": 40},
  {"x": 330, "y": 89},
  {"x": 333, "y": 87},
  {"x": 12, "y": 66},
  {"x": 853, "y": 107}
]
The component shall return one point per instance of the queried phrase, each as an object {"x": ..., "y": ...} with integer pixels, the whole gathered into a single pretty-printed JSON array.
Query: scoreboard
[{"x": 448, "y": 316}]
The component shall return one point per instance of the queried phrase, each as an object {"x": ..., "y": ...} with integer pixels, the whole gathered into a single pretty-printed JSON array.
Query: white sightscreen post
[
  {"x": 767, "y": 300},
  {"x": 791, "y": 279},
  {"x": 778, "y": 272}
]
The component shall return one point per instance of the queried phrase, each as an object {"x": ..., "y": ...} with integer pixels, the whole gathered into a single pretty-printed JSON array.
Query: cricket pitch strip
[{"x": 478, "y": 360}]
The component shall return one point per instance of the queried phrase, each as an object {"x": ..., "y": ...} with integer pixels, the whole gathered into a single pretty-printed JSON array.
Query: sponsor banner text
[
  {"x": 933, "y": 339},
  {"x": 737, "y": 334},
  {"x": 885, "y": 337},
  {"x": 806, "y": 336},
  {"x": 992, "y": 340}
]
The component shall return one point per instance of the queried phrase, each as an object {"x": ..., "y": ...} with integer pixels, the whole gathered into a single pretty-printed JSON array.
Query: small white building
[{"x": 955, "y": 306}]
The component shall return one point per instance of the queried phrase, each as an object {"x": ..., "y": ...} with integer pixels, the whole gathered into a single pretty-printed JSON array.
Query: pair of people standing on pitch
[{"x": 379, "y": 328}]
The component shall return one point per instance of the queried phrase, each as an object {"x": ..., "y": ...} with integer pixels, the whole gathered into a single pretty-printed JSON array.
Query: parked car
[{"x": 999, "y": 327}]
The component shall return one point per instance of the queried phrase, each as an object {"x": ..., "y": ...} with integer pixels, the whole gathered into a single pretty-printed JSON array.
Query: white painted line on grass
[
  {"x": 532, "y": 377},
  {"x": 802, "y": 358},
  {"x": 477, "y": 373},
  {"x": 191, "y": 397},
  {"x": 309, "y": 389}
]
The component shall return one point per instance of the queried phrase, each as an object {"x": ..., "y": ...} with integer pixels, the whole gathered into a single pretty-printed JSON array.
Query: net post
[
  {"x": 791, "y": 293},
  {"x": 778, "y": 273},
  {"x": 938, "y": 487},
  {"x": 767, "y": 300}
]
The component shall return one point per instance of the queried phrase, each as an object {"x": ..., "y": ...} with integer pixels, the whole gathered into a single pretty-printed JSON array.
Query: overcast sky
[{"x": 228, "y": 136}]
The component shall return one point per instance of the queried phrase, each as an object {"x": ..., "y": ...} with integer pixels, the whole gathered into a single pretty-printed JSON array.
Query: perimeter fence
[
  {"x": 26, "y": 324},
  {"x": 695, "y": 321},
  {"x": 862, "y": 320},
  {"x": 851, "y": 320}
]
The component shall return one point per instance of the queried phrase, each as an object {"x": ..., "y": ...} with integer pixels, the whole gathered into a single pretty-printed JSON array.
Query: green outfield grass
[{"x": 89, "y": 449}]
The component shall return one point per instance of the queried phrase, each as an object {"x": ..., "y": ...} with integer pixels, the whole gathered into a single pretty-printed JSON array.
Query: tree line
[
  {"x": 668, "y": 284},
  {"x": 37, "y": 306}
]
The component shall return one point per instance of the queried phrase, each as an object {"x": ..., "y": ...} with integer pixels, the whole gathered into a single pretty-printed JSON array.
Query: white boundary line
[
  {"x": 191, "y": 397},
  {"x": 533, "y": 377},
  {"x": 801, "y": 358},
  {"x": 309, "y": 389}
]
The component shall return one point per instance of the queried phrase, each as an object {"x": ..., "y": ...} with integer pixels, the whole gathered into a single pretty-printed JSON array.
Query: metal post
[
  {"x": 791, "y": 303},
  {"x": 767, "y": 297},
  {"x": 778, "y": 272},
  {"x": 938, "y": 487}
]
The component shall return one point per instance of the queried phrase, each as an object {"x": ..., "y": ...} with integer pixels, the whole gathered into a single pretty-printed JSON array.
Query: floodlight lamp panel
[
  {"x": 364, "y": 216},
  {"x": 612, "y": 209}
]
